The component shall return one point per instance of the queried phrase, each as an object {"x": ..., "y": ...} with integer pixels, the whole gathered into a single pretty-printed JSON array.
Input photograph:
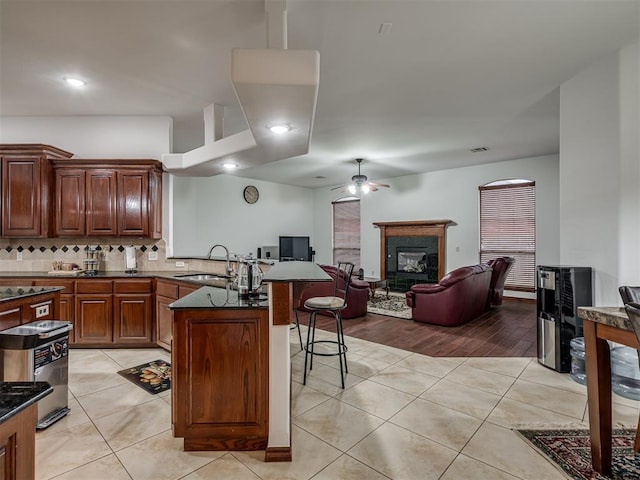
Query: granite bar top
[
  {"x": 217, "y": 297},
  {"x": 16, "y": 292},
  {"x": 612, "y": 316},
  {"x": 16, "y": 396},
  {"x": 296, "y": 272}
]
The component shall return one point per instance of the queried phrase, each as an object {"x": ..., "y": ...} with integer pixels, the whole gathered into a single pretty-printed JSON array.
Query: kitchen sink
[{"x": 201, "y": 277}]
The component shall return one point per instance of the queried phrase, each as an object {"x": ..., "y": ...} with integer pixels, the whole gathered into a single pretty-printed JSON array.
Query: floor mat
[
  {"x": 570, "y": 451},
  {"x": 154, "y": 377}
]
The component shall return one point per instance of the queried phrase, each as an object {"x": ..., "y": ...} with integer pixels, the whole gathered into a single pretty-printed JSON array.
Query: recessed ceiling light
[
  {"x": 230, "y": 165},
  {"x": 75, "y": 82},
  {"x": 279, "y": 128}
]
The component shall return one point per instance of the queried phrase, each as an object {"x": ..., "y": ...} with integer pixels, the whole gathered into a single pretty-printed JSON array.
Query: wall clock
[{"x": 251, "y": 194}]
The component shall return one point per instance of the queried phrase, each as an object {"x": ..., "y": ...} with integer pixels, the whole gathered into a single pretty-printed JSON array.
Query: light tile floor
[{"x": 401, "y": 416}]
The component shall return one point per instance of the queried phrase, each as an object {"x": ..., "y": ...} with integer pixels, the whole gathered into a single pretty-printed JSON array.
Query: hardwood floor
[{"x": 505, "y": 331}]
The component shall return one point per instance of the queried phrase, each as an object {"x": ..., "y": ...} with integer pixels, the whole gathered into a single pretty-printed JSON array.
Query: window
[
  {"x": 346, "y": 231},
  {"x": 508, "y": 228}
]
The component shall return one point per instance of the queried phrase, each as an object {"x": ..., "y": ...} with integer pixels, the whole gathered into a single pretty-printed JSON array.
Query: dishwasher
[{"x": 39, "y": 352}]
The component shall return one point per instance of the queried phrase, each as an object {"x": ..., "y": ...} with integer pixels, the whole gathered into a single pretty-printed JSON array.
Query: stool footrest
[{"x": 342, "y": 348}]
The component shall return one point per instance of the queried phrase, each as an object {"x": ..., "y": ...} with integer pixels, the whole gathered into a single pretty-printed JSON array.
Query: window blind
[
  {"x": 346, "y": 232},
  {"x": 508, "y": 228}
]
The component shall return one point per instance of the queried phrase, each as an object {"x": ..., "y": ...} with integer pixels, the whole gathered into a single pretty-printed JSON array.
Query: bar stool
[{"x": 334, "y": 306}]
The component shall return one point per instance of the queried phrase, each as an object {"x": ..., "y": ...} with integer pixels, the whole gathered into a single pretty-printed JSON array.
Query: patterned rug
[
  {"x": 394, "y": 306},
  {"x": 154, "y": 377},
  {"x": 570, "y": 450}
]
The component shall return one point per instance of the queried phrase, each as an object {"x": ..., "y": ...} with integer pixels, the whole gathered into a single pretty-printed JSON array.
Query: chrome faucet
[{"x": 226, "y": 250}]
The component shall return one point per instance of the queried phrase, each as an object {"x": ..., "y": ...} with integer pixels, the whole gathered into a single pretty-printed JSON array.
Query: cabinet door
[
  {"x": 21, "y": 197},
  {"x": 133, "y": 319},
  {"x": 94, "y": 319},
  {"x": 220, "y": 356},
  {"x": 70, "y": 202},
  {"x": 164, "y": 322},
  {"x": 133, "y": 203},
  {"x": 101, "y": 202},
  {"x": 17, "y": 445}
]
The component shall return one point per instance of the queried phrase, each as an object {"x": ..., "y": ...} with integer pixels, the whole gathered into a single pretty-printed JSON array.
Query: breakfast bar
[{"x": 231, "y": 364}]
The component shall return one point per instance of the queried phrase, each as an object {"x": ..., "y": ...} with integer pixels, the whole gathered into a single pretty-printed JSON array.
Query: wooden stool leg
[{"x": 636, "y": 445}]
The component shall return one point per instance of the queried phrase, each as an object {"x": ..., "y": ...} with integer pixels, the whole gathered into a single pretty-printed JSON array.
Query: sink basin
[{"x": 199, "y": 277}]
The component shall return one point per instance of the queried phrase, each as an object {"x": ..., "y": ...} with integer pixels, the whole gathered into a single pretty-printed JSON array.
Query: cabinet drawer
[
  {"x": 167, "y": 289},
  {"x": 185, "y": 289},
  {"x": 94, "y": 286},
  {"x": 133, "y": 286},
  {"x": 69, "y": 285}
]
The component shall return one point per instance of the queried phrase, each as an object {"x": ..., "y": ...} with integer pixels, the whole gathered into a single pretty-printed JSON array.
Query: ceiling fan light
[
  {"x": 352, "y": 189},
  {"x": 365, "y": 189}
]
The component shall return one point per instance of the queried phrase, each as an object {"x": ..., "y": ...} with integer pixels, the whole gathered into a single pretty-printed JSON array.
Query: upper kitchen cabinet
[
  {"x": 27, "y": 189},
  {"x": 108, "y": 198}
]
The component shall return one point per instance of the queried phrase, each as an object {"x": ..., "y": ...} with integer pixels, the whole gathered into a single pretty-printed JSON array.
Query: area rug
[
  {"x": 154, "y": 377},
  {"x": 570, "y": 451},
  {"x": 394, "y": 306}
]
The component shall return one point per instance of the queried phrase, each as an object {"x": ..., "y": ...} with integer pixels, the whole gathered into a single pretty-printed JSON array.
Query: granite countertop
[
  {"x": 296, "y": 272},
  {"x": 16, "y": 396},
  {"x": 219, "y": 297},
  {"x": 15, "y": 292},
  {"x": 613, "y": 316}
]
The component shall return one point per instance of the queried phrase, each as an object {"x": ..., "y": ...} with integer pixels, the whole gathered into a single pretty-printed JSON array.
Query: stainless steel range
[{"x": 39, "y": 351}]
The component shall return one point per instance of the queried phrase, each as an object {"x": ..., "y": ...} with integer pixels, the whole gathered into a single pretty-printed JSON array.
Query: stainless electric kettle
[{"x": 249, "y": 276}]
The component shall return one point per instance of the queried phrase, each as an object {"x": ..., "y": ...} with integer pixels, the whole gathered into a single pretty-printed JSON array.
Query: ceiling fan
[{"x": 360, "y": 183}]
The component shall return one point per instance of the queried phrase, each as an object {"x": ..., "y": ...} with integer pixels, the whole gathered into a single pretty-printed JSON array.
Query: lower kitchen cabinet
[
  {"x": 132, "y": 319},
  {"x": 167, "y": 292},
  {"x": 17, "y": 445},
  {"x": 94, "y": 319},
  {"x": 67, "y": 304}
]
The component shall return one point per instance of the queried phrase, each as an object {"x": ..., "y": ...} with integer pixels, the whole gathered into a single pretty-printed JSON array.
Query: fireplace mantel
[{"x": 416, "y": 228}]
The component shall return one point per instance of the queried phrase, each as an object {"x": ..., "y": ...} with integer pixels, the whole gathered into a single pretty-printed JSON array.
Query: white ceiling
[{"x": 448, "y": 77}]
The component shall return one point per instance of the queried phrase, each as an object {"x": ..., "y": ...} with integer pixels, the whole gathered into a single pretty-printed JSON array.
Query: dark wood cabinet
[
  {"x": 133, "y": 311},
  {"x": 94, "y": 312},
  {"x": 167, "y": 292},
  {"x": 70, "y": 202},
  {"x": 10, "y": 317},
  {"x": 101, "y": 202},
  {"x": 220, "y": 361},
  {"x": 119, "y": 198},
  {"x": 17, "y": 445},
  {"x": 27, "y": 186}
]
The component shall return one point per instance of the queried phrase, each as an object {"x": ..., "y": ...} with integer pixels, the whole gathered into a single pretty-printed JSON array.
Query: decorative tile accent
[
  {"x": 53, "y": 249},
  {"x": 65, "y": 249},
  {"x": 9, "y": 249},
  {"x": 121, "y": 249},
  {"x": 20, "y": 249},
  {"x": 154, "y": 248},
  {"x": 143, "y": 249},
  {"x": 31, "y": 248},
  {"x": 76, "y": 249},
  {"x": 42, "y": 249}
]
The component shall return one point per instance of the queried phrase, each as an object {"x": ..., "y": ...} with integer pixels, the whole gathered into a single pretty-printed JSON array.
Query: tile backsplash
[{"x": 36, "y": 255}]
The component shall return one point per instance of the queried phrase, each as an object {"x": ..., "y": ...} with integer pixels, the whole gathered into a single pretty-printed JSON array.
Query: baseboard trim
[{"x": 277, "y": 454}]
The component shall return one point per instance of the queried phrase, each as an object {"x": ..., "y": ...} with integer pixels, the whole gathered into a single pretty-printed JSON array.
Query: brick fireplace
[{"x": 412, "y": 252}]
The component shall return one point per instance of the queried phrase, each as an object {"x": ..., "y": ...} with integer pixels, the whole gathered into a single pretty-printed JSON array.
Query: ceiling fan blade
[
  {"x": 372, "y": 188},
  {"x": 338, "y": 187},
  {"x": 379, "y": 184}
]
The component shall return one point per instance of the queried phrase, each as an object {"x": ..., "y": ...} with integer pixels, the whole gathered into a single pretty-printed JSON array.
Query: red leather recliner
[
  {"x": 501, "y": 267},
  {"x": 357, "y": 295},
  {"x": 459, "y": 297}
]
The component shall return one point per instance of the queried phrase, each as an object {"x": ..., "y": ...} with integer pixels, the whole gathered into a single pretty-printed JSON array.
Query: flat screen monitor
[{"x": 294, "y": 248}]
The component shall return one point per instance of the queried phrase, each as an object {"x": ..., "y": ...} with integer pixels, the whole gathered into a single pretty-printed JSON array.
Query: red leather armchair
[
  {"x": 459, "y": 297},
  {"x": 501, "y": 267},
  {"x": 357, "y": 295}
]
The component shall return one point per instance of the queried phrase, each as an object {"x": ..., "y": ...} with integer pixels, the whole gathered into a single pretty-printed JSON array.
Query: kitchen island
[
  {"x": 18, "y": 417},
  {"x": 219, "y": 394},
  {"x": 231, "y": 365},
  {"x": 23, "y": 304}
]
